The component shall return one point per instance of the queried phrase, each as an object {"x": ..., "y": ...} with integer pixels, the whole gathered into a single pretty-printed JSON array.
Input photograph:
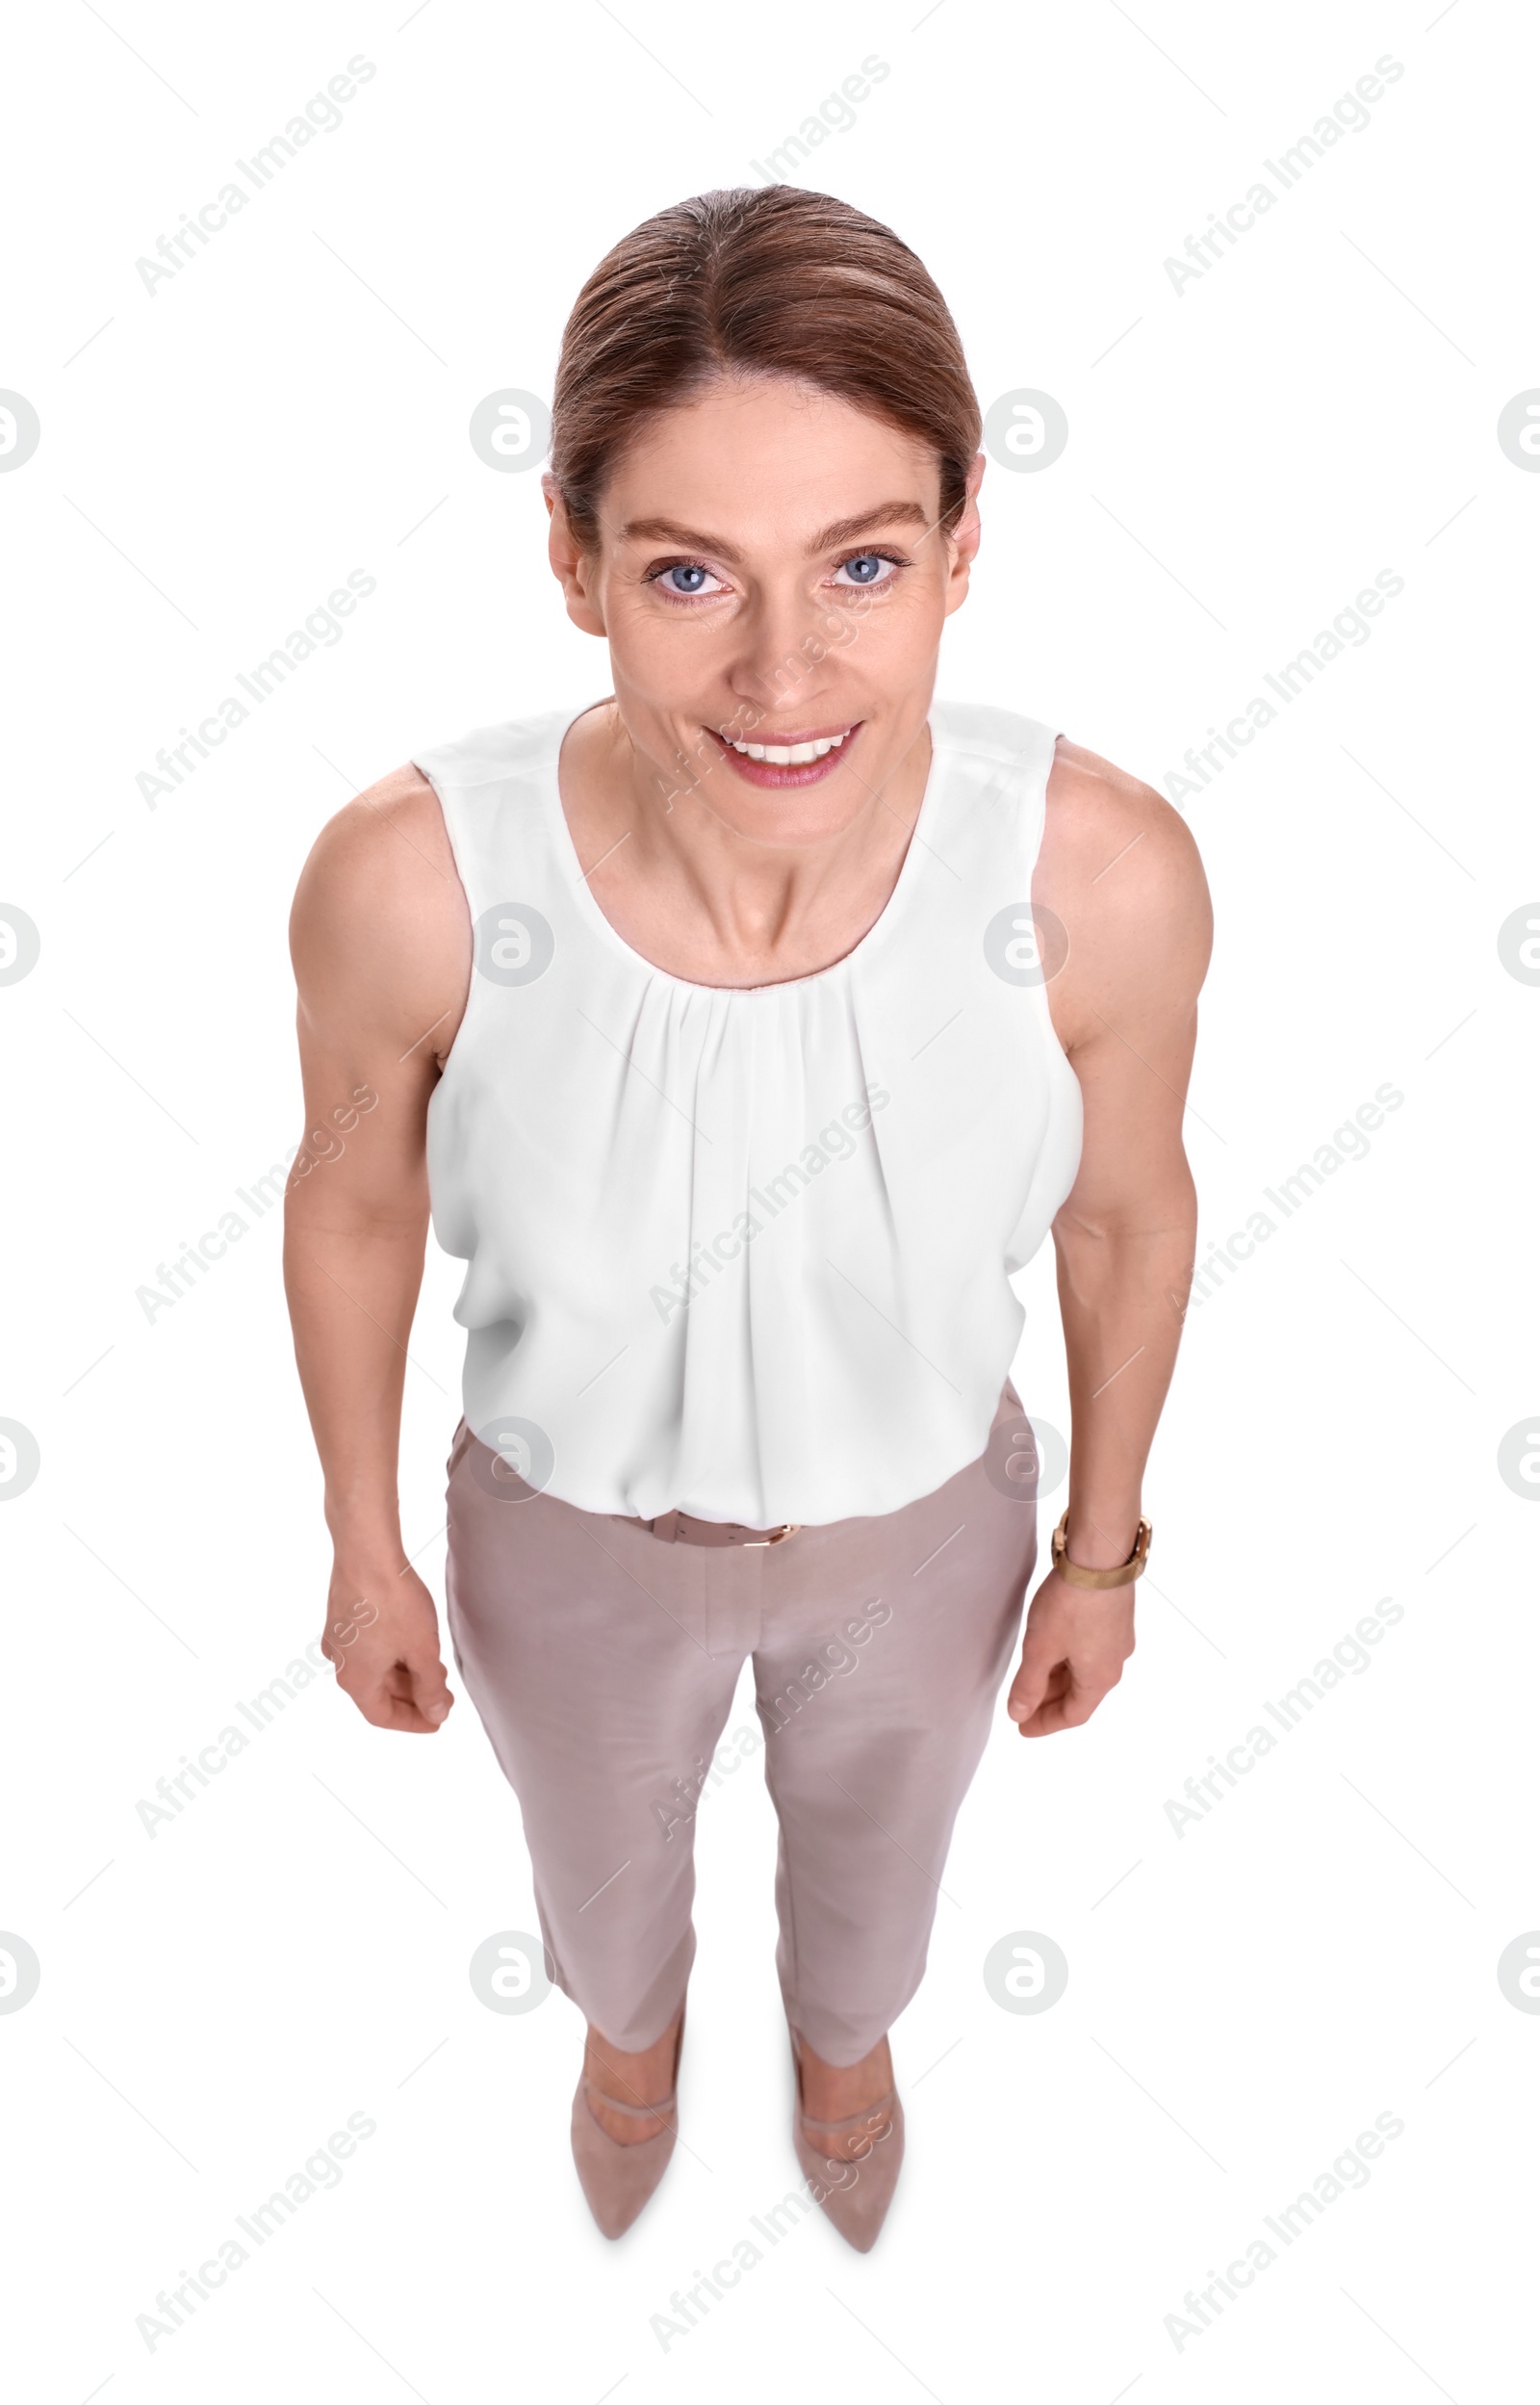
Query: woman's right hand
[{"x": 382, "y": 1637}]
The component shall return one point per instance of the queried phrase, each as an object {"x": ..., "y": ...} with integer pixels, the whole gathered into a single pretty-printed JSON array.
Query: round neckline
[{"x": 567, "y": 849}]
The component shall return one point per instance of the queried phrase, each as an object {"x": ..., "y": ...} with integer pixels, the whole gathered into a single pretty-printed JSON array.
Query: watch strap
[{"x": 1122, "y": 1574}]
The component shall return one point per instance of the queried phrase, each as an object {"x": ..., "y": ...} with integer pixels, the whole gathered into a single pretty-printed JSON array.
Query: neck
[
  {"x": 762, "y": 897},
  {"x": 673, "y": 865}
]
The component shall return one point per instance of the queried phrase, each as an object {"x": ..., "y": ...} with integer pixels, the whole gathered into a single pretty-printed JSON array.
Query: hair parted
[{"x": 766, "y": 280}]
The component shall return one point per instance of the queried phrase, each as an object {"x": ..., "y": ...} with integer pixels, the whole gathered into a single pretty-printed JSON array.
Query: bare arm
[
  {"x": 1119, "y": 867},
  {"x": 381, "y": 941}
]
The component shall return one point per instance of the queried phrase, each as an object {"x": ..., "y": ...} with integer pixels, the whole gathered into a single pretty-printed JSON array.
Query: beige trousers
[{"x": 603, "y": 1661}]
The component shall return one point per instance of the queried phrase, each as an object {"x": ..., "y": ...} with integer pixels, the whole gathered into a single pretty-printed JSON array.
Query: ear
[
  {"x": 573, "y": 567},
  {"x": 965, "y": 536}
]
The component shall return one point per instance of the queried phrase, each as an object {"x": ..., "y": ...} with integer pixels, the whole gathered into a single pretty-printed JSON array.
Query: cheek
[
  {"x": 665, "y": 653},
  {"x": 890, "y": 634},
  {"x": 669, "y": 689}
]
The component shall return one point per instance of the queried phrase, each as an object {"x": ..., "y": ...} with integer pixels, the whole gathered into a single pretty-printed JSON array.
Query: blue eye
[
  {"x": 867, "y": 567},
  {"x": 692, "y": 578}
]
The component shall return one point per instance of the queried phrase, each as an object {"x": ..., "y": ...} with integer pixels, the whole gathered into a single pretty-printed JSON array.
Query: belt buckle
[{"x": 777, "y": 1537}]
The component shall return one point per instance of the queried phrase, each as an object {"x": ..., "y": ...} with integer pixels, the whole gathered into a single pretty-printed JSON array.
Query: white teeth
[{"x": 791, "y": 755}]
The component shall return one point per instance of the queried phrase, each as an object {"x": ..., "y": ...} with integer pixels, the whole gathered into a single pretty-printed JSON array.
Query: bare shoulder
[
  {"x": 380, "y": 925},
  {"x": 1120, "y": 868},
  {"x": 1099, "y": 816}
]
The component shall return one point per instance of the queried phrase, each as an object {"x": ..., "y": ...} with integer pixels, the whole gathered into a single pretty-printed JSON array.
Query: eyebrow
[{"x": 842, "y": 530}]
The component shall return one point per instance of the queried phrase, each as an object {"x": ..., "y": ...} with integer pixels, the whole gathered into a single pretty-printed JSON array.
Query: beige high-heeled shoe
[
  {"x": 855, "y": 2195},
  {"x": 618, "y": 2180}
]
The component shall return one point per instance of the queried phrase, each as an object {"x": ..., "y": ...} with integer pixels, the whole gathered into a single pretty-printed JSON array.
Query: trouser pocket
[{"x": 459, "y": 1446}]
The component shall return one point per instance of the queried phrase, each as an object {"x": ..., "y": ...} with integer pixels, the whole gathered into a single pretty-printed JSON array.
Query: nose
[{"x": 786, "y": 638}]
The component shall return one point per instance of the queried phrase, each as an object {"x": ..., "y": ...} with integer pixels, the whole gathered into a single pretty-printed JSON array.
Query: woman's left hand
[{"x": 1076, "y": 1644}]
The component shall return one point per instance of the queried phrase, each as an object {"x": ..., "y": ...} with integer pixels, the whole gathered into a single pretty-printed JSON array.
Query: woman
[{"x": 745, "y": 1030}]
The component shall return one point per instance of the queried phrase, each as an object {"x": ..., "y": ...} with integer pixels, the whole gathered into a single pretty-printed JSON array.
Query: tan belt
[{"x": 678, "y": 1528}]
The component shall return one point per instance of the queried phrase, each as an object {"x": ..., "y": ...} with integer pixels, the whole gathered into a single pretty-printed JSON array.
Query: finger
[
  {"x": 1071, "y": 1709},
  {"x": 387, "y": 1697},
  {"x": 1054, "y": 1700},
  {"x": 1033, "y": 1681},
  {"x": 430, "y": 1689},
  {"x": 1024, "y": 1699},
  {"x": 390, "y": 1707},
  {"x": 410, "y": 1709}
]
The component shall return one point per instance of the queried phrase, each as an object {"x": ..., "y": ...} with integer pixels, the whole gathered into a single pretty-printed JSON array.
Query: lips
[{"x": 796, "y": 757}]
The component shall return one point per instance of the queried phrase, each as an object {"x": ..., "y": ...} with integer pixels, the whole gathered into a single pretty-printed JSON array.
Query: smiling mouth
[
  {"x": 795, "y": 753},
  {"x": 800, "y": 756}
]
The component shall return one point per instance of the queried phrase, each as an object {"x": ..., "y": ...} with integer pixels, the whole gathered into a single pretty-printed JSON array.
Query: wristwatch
[{"x": 1122, "y": 1575}]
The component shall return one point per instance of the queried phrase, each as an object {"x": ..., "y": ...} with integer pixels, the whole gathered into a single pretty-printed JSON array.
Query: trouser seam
[{"x": 789, "y": 1884}]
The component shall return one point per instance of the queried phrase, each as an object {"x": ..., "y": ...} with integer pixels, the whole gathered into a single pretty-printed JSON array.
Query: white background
[{"x": 1244, "y": 457}]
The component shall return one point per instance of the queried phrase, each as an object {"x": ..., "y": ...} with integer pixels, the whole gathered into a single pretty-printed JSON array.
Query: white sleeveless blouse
[{"x": 747, "y": 1251}]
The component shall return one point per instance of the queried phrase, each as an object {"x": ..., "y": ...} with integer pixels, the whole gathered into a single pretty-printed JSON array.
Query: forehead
[{"x": 767, "y": 462}]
